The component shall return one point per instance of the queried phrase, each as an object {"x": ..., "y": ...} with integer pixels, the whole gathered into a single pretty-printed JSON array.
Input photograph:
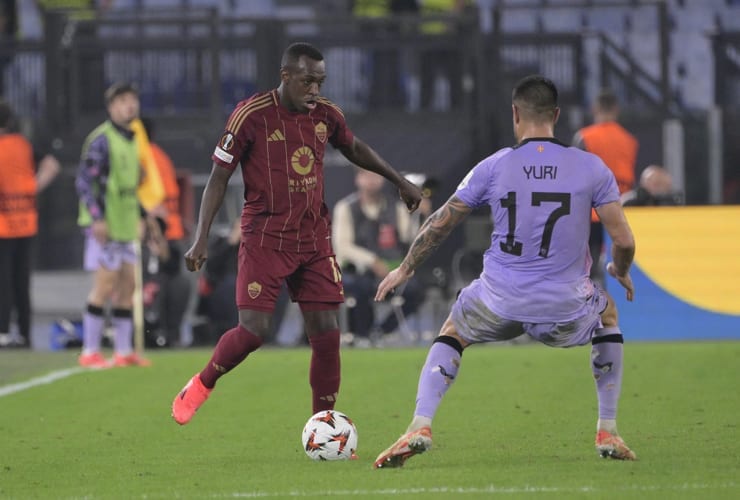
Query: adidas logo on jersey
[{"x": 276, "y": 136}]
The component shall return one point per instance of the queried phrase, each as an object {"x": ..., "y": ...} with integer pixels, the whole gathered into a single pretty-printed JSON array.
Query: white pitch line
[
  {"x": 45, "y": 379},
  {"x": 476, "y": 491}
]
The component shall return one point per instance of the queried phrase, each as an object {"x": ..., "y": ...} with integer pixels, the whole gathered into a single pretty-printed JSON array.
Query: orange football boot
[
  {"x": 410, "y": 444},
  {"x": 190, "y": 398},
  {"x": 132, "y": 359},
  {"x": 93, "y": 360},
  {"x": 611, "y": 446}
]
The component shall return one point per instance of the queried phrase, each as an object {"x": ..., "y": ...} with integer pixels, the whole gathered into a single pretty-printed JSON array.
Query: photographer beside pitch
[{"x": 535, "y": 278}]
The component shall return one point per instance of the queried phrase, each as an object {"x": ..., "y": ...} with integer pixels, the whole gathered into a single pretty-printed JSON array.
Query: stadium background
[{"x": 674, "y": 65}]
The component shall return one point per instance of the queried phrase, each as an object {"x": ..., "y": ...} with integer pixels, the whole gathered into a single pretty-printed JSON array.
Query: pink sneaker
[
  {"x": 410, "y": 444},
  {"x": 132, "y": 359},
  {"x": 611, "y": 446},
  {"x": 93, "y": 360},
  {"x": 190, "y": 398}
]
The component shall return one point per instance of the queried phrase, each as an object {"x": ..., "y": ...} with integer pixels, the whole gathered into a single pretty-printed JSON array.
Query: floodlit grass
[{"x": 519, "y": 421}]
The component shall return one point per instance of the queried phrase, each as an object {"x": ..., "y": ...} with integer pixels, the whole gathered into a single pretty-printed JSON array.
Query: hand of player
[
  {"x": 410, "y": 194},
  {"x": 625, "y": 281},
  {"x": 196, "y": 256},
  {"x": 392, "y": 281},
  {"x": 99, "y": 230}
]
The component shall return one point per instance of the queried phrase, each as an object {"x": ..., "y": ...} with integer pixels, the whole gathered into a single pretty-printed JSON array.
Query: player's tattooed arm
[{"x": 434, "y": 231}]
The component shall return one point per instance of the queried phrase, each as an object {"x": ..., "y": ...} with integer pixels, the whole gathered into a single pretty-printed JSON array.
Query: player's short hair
[
  {"x": 607, "y": 100},
  {"x": 6, "y": 114},
  {"x": 536, "y": 97},
  {"x": 118, "y": 89},
  {"x": 298, "y": 49}
]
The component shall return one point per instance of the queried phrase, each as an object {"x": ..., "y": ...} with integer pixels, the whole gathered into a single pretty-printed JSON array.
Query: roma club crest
[
  {"x": 320, "y": 131},
  {"x": 254, "y": 289}
]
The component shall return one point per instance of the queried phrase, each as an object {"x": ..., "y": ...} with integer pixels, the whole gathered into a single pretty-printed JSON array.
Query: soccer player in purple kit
[
  {"x": 279, "y": 138},
  {"x": 535, "y": 277}
]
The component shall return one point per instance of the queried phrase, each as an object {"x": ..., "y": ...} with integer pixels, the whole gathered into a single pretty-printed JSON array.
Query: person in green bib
[{"x": 107, "y": 182}]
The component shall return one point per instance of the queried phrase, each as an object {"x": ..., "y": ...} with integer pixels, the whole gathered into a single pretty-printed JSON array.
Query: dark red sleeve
[
  {"x": 341, "y": 135},
  {"x": 237, "y": 136}
]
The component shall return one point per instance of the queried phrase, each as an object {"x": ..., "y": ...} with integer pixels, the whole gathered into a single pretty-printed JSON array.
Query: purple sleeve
[
  {"x": 92, "y": 176},
  {"x": 606, "y": 190},
  {"x": 474, "y": 189}
]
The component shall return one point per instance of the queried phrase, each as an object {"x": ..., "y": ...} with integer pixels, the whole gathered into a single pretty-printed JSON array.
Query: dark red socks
[
  {"x": 232, "y": 349},
  {"x": 324, "y": 375}
]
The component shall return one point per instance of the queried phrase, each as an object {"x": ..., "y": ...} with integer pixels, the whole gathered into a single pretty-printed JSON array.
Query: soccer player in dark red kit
[{"x": 279, "y": 138}]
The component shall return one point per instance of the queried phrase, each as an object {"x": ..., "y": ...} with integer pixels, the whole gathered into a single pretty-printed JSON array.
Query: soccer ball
[{"x": 329, "y": 435}]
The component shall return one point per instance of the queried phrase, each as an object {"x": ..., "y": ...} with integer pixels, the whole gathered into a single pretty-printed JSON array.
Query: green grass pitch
[{"x": 518, "y": 422}]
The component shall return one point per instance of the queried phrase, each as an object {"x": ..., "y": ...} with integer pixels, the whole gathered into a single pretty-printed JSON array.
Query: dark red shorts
[{"x": 311, "y": 277}]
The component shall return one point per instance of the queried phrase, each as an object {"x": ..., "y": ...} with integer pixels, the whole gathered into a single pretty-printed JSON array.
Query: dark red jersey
[{"x": 282, "y": 159}]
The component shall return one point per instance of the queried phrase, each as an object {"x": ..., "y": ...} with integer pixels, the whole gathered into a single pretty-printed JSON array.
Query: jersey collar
[{"x": 541, "y": 139}]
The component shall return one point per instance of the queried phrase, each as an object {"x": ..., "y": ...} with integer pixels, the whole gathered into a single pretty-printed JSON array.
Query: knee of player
[
  {"x": 255, "y": 322},
  {"x": 448, "y": 330},
  {"x": 609, "y": 317},
  {"x": 320, "y": 318},
  {"x": 102, "y": 293}
]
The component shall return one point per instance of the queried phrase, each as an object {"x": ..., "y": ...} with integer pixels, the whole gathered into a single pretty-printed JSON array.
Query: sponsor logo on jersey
[
  {"x": 277, "y": 135},
  {"x": 302, "y": 160}
]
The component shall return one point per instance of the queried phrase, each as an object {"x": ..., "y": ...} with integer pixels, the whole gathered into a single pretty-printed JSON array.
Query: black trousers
[
  {"x": 15, "y": 284},
  {"x": 361, "y": 316}
]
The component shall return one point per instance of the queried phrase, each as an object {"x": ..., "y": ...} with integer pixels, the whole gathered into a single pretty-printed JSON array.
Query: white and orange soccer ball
[{"x": 329, "y": 435}]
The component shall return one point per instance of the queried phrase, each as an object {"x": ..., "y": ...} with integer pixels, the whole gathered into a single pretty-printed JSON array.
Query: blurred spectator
[
  {"x": 19, "y": 185},
  {"x": 654, "y": 189},
  {"x": 217, "y": 286},
  {"x": 386, "y": 87},
  {"x": 168, "y": 175},
  {"x": 166, "y": 288},
  {"x": 441, "y": 68},
  {"x": 371, "y": 232},
  {"x": 616, "y": 147}
]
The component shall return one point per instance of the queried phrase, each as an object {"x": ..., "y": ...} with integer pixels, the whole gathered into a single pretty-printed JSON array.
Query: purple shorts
[
  {"x": 111, "y": 255},
  {"x": 476, "y": 323}
]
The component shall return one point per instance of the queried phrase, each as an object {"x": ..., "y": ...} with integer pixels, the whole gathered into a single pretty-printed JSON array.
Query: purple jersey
[{"x": 541, "y": 193}]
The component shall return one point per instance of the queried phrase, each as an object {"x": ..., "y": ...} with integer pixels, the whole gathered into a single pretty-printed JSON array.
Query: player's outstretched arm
[
  {"x": 213, "y": 196},
  {"x": 623, "y": 244},
  {"x": 431, "y": 234},
  {"x": 366, "y": 157}
]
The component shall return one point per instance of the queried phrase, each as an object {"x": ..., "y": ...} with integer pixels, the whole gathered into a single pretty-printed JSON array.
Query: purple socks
[
  {"x": 440, "y": 370},
  {"x": 606, "y": 363}
]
